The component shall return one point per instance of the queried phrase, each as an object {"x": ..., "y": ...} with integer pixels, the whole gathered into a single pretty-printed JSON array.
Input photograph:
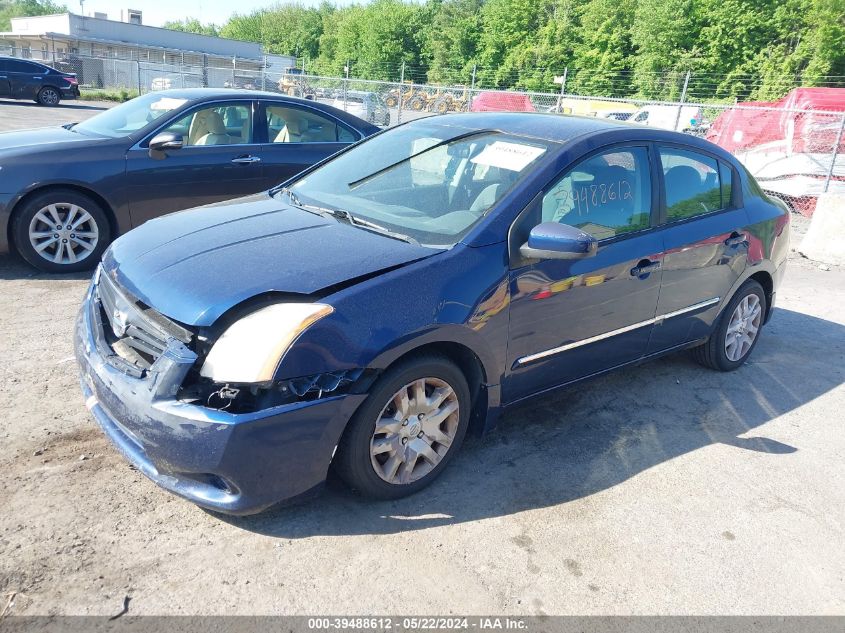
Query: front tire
[
  {"x": 737, "y": 330},
  {"x": 61, "y": 231},
  {"x": 49, "y": 96},
  {"x": 407, "y": 430}
]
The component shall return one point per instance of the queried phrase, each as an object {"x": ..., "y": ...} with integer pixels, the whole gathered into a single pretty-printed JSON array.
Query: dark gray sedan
[{"x": 67, "y": 192}]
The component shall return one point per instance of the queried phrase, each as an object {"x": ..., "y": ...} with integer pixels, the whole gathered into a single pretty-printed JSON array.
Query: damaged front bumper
[{"x": 237, "y": 463}]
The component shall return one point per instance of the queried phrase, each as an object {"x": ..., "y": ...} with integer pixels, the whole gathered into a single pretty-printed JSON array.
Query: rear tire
[
  {"x": 61, "y": 231},
  {"x": 49, "y": 96},
  {"x": 737, "y": 330},
  {"x": 416, "y": 435}
]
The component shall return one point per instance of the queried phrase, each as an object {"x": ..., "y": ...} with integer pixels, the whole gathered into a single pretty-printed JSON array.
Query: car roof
[
  {"x": 554, "y": 127},
  {"x": 563, "y": 128},
  {"x": 227, "y": 93}
]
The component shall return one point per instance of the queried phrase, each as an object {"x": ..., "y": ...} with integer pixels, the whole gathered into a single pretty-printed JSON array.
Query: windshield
[
  {"x": 429, "y": 182},
  {"x": 129, "y": 117}
]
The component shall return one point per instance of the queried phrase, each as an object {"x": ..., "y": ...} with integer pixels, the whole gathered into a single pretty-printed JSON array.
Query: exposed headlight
[{"x": 250, "y": 349}]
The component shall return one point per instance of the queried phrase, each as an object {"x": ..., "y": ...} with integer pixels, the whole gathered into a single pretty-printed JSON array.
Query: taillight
[{"x": 72, "y": 81}]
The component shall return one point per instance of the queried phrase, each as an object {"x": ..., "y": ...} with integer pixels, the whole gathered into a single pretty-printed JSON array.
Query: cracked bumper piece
[{"x": 232, "y": 463}]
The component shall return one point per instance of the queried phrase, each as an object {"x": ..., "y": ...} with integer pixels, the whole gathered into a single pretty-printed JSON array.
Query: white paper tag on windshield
[{"x": 512, "y": 156}]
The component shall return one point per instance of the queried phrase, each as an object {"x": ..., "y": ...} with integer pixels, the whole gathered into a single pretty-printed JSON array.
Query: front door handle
[
  {"x": 736, "y": 239},
  {"x": 644, "y": 267},
  {"x": 245, "y": 160}
]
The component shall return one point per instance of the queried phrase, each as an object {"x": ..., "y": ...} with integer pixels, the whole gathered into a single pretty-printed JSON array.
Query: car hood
[
  {"x": 194, "y": 265},
  {"x": 40, "y": 137}
]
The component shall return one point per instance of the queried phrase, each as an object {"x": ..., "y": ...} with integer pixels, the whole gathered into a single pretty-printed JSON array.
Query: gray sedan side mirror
[
  {"x": 552, "y": 240},
  {"x": 160, "y": 143}
]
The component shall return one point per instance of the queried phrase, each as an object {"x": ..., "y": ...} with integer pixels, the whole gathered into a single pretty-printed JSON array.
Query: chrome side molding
[{"x": 530, "y": 358}]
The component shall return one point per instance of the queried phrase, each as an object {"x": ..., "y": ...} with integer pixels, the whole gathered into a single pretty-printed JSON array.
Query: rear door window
[
  {"x": 287, "y": 124},
  {"x": 693, "y": 183}
]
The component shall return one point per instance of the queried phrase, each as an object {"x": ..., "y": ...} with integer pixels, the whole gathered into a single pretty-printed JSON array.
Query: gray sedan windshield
[{"x": 429, "y": 182}]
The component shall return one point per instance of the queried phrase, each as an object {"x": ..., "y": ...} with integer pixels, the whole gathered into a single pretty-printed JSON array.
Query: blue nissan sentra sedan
[{"x": 367, "y": 314}]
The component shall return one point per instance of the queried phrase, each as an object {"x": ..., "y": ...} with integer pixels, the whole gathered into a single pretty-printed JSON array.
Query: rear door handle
[
  {"x": 245, "y": 160},
  {"x": 736, "y": 239},
  {"x": 644, "y": 267}
]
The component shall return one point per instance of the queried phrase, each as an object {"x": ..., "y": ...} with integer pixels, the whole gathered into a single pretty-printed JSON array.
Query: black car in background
[
  {"x": 67, "y": 192},
  {"x": 26, "y": 79}
]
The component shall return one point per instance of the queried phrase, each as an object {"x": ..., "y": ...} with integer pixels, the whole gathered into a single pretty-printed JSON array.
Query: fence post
[
  {"x": 835, "y": 152},
  {"x": 182, "y": 70},
  {"x": 234, "y": 65},
  {"x": 138, "y": 65},
  {"x": 401, "y": 86},
  {"x": 264, "y": 74},
  {"x": 683, "y": 99}
]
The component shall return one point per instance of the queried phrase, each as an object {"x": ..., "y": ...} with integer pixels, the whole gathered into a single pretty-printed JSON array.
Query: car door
[
  {"x": 219, "y": 160},
  {"x": 572, "y": 318},
  {"x": 705, "y": 243},
  {"x": 5, "y": 86},
  {"x": 297, "y": 137},
  {"x": 25, "y": 78}
]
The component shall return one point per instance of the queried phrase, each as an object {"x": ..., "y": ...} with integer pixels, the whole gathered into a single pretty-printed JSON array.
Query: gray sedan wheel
[{"x": 61, "y": 231}]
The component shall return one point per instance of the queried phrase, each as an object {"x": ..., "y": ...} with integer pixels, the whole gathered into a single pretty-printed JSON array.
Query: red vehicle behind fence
[{"x": 492, "y": 101}]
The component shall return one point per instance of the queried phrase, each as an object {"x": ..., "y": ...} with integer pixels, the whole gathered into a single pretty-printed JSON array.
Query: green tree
[
  {"x": 454, "y": 40},
  {"x": 508, "y": 39},
  {"x": 379, "y": 37},
  {"x": 192, "y": 25},
  {"x": 663, "y": 35},
  {"x": 603, "y": 55}
]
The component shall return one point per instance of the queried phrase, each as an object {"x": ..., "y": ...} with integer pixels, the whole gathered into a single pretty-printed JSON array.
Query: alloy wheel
[
  {"x": 743, "y": 327},
  {"x": 49, "y": 96},
  {"x": 63, "y": 233},
  {"x": 414, "y": 431}
]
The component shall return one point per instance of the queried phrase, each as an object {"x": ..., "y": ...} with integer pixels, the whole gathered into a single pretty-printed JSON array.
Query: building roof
[{"x": 92, "y": 29}]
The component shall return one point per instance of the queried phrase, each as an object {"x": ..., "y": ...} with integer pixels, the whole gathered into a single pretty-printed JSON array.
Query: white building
[{"x": 110, "y": 53}]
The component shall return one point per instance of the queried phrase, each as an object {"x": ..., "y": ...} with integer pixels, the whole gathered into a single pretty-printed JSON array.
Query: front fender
[{"x": 460, "y": 296}]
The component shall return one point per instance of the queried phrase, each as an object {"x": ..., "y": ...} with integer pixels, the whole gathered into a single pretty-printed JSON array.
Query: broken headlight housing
[{"x": 250, "y": 349}]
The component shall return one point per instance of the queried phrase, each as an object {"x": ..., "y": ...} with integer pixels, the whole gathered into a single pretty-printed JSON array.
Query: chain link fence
[{"x": 795, "y": 146}]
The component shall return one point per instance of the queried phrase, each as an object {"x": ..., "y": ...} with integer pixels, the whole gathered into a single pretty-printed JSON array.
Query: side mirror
[
  {"x": 552, "y": 240},
  {"x": 160, "y": 143}
]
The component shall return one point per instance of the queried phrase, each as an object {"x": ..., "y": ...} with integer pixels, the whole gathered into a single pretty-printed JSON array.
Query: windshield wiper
[
  {"x": 295, "y": 201},
  {"x": 372, "y": 226},
  {"x": 342, "y": 214},
  {"x": 366, "y": 179}
]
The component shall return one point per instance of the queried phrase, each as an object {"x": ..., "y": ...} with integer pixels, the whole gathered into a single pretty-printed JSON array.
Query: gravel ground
[{"x": 662, "y": 489}]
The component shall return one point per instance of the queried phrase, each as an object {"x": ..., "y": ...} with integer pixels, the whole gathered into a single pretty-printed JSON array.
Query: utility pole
[
  {"x": 401, "y": 87},
  {"x": 561, "y": 79},
  {"x": 683, "y": 99},
  {"x": 346, "y": 84}
]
